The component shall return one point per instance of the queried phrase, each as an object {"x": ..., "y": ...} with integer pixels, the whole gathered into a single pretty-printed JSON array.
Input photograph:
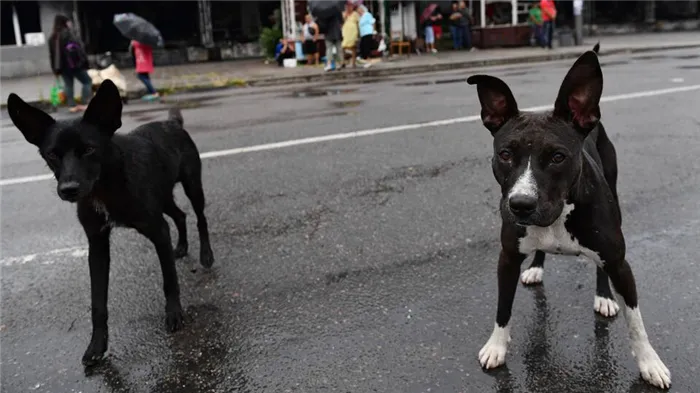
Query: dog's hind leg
[
  {"x": 158, "y": 232},
  {"x": 604, "y": 303},
  {"x": 533, "y": 274},
  {"x": 191, "y": 179},
  {"x": 180, "y": 218}
]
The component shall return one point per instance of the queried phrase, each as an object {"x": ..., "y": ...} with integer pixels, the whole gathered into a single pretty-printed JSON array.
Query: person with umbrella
[
  {"x": 329, "y": 18},
  {"x": 143, "y": 56},
  {"x": 143, "y": 36},
  {"x": 69, "y": 60}
]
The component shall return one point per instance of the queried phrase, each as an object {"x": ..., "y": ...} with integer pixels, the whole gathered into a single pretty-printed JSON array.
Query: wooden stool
[{"x": 398, "y": 43}]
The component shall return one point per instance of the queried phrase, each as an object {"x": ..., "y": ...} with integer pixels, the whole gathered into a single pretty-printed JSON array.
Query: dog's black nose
[
  {"x": 522, "y": 205},
  {"x": 69, "y": 190}
]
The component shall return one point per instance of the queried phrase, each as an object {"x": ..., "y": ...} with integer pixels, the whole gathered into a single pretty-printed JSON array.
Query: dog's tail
[
  {"x": 175, "y": 115},
  {"x": 596, "y": 48}
]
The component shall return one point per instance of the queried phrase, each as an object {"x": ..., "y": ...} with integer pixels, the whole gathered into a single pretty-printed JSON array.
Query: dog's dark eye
[
  {"x": 51, "y": 156},
  {"x": 558, "y": 158},
  {"x": 89, "y": 151},
  {"x": 505, "y": 155}
]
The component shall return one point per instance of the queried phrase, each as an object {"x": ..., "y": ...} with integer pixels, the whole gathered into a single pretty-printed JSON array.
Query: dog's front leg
[
  {"x": 98, "y": 258},
  {"x": 652, "y": 369},
  {"x": 159, "y": 233},
  {"x": 493, "y": 354}
]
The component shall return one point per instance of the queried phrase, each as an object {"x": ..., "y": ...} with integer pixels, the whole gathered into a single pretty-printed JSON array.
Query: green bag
[{"x": 57, "y": 95}]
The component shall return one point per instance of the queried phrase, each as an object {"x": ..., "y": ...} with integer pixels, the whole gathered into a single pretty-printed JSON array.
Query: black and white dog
[{"x": 558, "y": 175}]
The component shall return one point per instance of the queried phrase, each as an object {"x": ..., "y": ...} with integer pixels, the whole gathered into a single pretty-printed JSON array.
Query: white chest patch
[
  {"x": 555, "y": 239},
  {"x": 101, "y": 209}
]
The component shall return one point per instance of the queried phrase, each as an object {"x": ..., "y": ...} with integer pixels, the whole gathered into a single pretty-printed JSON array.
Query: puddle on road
[
  {"x": 434, "y": 82},
  {"x": 320, "y": 92},
  {"x": 689, "y": 67},
  {"x": 650, "y": 57},
  {"x": 614, "y": 63},
  {"x": 165, "y": 104},
  {"x": 519, "y": 73},
  {"x": 686, "y": 57},
  {"x": 347, "y": 104}
]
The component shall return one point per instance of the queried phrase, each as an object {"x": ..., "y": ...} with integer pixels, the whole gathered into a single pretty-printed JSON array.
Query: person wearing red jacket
[
  {"x": 549, "y": 15},
  {"x": 143, "y": 56}
]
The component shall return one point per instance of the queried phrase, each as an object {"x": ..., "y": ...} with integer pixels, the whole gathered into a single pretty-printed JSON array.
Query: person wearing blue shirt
[{"x": 367, "y": 22}]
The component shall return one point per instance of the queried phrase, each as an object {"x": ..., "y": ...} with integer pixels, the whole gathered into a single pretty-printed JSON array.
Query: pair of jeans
[
  {"x": 146, "y": 80},
  {"x": 461, "y": 37},
  {"x": 536, "y": 35},
  {"x": 547, "y": 33},
  {"x": 339, "y": 54},
  {"x": 68, "y": 78},
  {"x": 457, "y": 36}
]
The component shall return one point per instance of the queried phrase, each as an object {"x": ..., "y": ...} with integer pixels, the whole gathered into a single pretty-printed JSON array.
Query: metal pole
[
  {"x": 482, "y": 12},
  {"x": 578, "y": 21},
  {"x": 514, "y": 12},
  {"x": 15, "y": 24},
  {"x": 382, "y": 18}
]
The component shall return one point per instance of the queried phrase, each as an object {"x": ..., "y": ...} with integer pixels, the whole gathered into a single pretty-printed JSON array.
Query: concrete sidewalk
[{"x": 189, "y": 77}]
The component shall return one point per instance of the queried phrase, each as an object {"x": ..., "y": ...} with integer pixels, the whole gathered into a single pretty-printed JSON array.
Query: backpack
[{"x": 75, "y": 55}]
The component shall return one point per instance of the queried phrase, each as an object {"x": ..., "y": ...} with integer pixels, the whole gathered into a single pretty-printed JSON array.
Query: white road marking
[
  {"x": 375, "y": 131},
  {"x": 42, "y": 257}
]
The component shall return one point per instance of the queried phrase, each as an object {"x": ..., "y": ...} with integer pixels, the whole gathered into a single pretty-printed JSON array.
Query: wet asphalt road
[{"x": 365, "y": 264}]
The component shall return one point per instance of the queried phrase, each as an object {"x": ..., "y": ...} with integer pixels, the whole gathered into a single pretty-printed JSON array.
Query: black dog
[
  {"x": 121, "y": 180},
  {"x": 558, "y": 175}
]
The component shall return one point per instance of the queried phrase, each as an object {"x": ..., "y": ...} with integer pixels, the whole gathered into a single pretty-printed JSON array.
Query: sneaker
[
  {"x": 328, "y": 68},
  {"x": 434, "y": 50}
]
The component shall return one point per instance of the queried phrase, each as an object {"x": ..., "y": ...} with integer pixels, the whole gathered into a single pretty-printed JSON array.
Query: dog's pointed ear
[
  {"x": 497, "y": 102},
  {"x": 31, "y": 121},
  {"x": 579, "y": 95},
  {"x": 105, "y": 109}
]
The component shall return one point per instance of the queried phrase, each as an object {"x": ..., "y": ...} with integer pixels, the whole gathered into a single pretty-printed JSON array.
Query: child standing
[{"x": 143, "y": 56}]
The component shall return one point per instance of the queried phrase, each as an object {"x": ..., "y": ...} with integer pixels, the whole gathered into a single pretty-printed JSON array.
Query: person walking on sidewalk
[
  {"x": 367, "y": 22},
  {"x": 310, "y": 46},
  {"x": 143, "y": 56},
  {"x": 549, "y": 15},
  {"x": 69, "y": 60},
  {"x": 351, "y": 31},
  {"x": 330, "y": 27}
]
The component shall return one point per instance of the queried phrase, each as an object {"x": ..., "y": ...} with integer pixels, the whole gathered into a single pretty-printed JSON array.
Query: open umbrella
[
  {"x": 323, "y": 9},
  {"x": 427, "y": 12},
  {"x": 136, "y": 28}
]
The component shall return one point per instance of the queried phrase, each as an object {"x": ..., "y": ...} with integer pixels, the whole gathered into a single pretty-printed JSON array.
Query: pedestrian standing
[
  {"x": 143, "y": 56},
  {"x": 69, "y": 60},
  {"x": 535, "y": 21},
  {"x": 351, "y": 31},
  {"x": 367, "y": 22},
  {"x": 549, "y": 15},
  {"x": 310, "y": 47},
  {"x": 434, "y": 18},
  {"x": 465, "y": 25},
  {"x": 456, "y": 27}
]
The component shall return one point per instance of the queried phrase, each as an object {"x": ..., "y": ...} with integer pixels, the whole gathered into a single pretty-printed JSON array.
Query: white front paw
[
  {"x": 653, "y": 370},
  {"x": 492, "y": 355},
  {"x": 606, "y": 307},
  {"x": 532, "y": 276}
]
